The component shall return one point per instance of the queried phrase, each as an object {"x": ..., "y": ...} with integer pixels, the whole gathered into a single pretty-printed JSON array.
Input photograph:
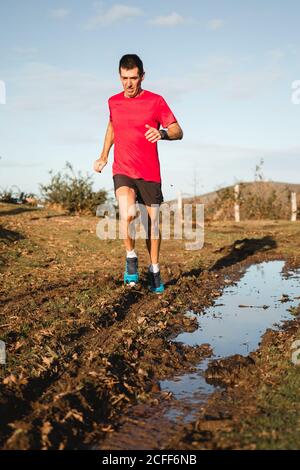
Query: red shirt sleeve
[
  {"x": 164, "y": 114},
  {"x": 109, "y": 111}
]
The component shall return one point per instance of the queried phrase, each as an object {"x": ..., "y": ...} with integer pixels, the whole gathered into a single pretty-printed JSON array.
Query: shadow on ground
[
  {"x": 18, "y": 210},
  {"x": 237, "y": 252},
  {"x": 242, "y": 249},
  {"x": 10, "y": 235}
]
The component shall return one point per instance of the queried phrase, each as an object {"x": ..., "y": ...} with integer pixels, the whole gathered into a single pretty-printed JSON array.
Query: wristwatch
[{"x": 164, "y": 134}]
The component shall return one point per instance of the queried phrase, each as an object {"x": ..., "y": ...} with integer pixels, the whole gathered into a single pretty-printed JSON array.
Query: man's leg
[
  {"x": 153, "y": 242},
  {"x": 126, "y": 200},
  {"x": 127, "y": 213},
  {"x": 150, "y": 197}
]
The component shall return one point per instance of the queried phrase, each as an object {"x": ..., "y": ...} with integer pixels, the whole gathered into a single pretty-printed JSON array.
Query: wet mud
[{"x": 91, "y": 362}]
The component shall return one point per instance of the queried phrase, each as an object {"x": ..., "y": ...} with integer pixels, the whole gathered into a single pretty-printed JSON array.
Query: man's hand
[
  {"x": 152, "y": 134},
  {"x": 100, "y": 164}
]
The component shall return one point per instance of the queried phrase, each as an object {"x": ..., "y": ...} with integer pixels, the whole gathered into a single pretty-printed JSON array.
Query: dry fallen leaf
[
  {"x": 9, "y": 380},
  {"x": 73, "y": 414},
  {"x": 48, "y": 361},
  {"x": 46, "y": 429}
]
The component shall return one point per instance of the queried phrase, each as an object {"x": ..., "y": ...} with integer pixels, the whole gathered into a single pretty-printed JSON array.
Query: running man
[{"x": 136, "y": 116}]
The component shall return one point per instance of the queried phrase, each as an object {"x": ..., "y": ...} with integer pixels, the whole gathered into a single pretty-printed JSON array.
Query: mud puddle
[{"x": 263, "y": 298}]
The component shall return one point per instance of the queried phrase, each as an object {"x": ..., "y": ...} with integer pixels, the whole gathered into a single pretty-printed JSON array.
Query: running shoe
[
  {"x": 155, "y": 283},
  {"x": 131, "y": 275}
]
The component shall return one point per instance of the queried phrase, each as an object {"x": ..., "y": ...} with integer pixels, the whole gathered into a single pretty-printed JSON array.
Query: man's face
[{"x": 131, "y": 81}]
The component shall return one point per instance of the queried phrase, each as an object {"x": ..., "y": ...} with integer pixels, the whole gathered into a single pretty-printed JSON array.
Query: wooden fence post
[
  {"x": 294, "y": 207},
  {"x": 236, "y": 204},
  {"x": 179, "y": 206}
]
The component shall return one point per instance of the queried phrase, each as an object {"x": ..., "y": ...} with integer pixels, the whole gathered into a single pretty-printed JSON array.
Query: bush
[
  {"x": 6, "y": 195},
  {"x": 15, "y": 197},
  {"x": 73, "y": 192},
  {"x": 257, "y": 200},
  {"x": 263, "y": 201}
]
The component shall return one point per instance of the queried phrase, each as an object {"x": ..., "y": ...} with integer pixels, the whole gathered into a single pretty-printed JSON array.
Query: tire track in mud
[
  {"x": 127, "y": 306},
  {"x": 131, "y": 314},
  {"x": 75, "y": 387},
  {"x": 39, "y": 390},
  {"x": 54, "y": 288},
  {"x": 148, "y": 427}
]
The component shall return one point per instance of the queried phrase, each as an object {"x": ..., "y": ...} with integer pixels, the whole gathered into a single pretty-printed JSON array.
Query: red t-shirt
[{"x": 134, "y": 155}]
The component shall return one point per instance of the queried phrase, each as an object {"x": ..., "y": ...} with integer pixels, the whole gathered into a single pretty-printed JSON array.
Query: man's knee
[
  {"x": 128, "y": 218},
  {"x": 154, "y": 232}
]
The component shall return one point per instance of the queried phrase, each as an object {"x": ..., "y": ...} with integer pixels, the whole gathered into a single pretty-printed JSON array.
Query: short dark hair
[{"x": 130, "y": 61}]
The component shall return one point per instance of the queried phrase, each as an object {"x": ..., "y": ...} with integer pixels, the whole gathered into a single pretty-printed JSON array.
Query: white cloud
[
  {"x": 215, "y": 24},
  {"x": 206, "y": 75},
  {"x": 24, "y": 51},
  {"x": 246, "y": 86},
  {"x": 235, "y": 80},
  {"x": 237, "y": 153},
  {"x": 44, "y": 87},
  {"x": 59, "y": 13},
  {"x": 2, "y": 92},
  {"x": 221, "y": 76},
  {"x": 173, "y": 19},
  {"x": 114, "y": 14},
  {"x": 73, "y": 137},
  {"x": 19, "y": 164},
  {"x": 276, "y": 54}
]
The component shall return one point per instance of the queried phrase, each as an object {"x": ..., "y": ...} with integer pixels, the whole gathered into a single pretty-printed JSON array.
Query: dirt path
[{"x": 85, "y": 354}]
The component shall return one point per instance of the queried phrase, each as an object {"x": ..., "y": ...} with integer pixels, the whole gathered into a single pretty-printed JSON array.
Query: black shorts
[{"x": 147, "y": 192}]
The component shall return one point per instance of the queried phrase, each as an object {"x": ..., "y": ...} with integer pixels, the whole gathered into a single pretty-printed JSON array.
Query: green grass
[{"x": 276, "y": 423}]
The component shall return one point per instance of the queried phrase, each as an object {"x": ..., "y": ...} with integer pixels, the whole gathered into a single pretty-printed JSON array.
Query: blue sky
[{"x": 225, "y": 68}]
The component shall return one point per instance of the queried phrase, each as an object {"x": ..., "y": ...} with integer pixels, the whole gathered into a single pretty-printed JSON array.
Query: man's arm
[
  {"x": 100, "y": 163},
  {"x": 173, "y": 132}
]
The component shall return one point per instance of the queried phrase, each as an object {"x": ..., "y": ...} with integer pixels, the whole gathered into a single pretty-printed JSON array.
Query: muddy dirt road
[{"x": 86, "y": 356}]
